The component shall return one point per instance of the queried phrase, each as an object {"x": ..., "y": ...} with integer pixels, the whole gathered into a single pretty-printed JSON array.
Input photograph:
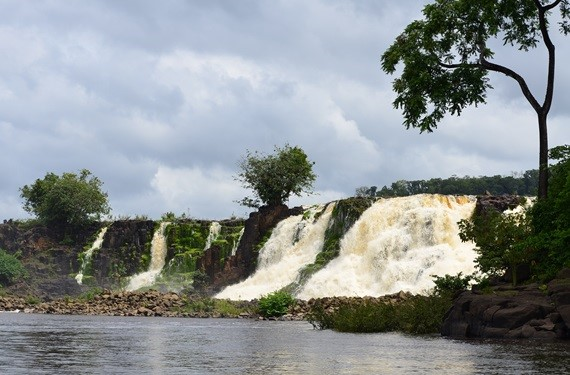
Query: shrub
[
  {"x": 11, "y": 269},
  {"x": 416, "y": 315},
  {"x": 451, "y": 285},
  {"x": 275, "y": 304}
]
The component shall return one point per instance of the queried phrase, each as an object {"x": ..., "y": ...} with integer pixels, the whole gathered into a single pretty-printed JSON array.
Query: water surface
[{"x": 51, "y": 344}]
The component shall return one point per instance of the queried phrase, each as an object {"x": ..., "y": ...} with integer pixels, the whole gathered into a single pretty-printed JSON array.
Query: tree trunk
[{"x": 542, "y": 157}]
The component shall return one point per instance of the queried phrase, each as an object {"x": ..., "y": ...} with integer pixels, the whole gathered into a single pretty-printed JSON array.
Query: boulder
[{"x": 510, "y": 312}]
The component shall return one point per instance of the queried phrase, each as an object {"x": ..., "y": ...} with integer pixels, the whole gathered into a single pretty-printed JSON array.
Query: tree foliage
[
  {"x": 11, "y": 269},
  {"x": 446, "y": 59},
  {"x": 518, "y": 183},
  {"x": 501, "y": 241},
  {"x": 66, "y": 200},
  {"x": 538, "y": 237},
  {"x": 274, "y": 178},
  {"x": 551, "y": 218}
]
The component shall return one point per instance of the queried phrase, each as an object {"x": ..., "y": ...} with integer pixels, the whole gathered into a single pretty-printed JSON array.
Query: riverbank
[{"x": 154, "y": 303}]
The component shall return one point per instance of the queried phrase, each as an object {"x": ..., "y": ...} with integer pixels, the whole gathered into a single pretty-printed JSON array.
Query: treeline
[{"x": 525, "y": 183}]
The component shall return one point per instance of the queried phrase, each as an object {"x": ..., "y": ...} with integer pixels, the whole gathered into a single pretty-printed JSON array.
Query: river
[{"x": 57, "y": 344}]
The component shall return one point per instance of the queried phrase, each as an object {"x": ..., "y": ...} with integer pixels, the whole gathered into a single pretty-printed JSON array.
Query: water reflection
[{"x": 43, "y": 344}]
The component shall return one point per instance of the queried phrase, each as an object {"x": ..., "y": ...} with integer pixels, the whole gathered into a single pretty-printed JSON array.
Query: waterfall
[
  {"x": 158, "y": 258},
  {"x": 236, "y": 243},
  {"x": 215, "y": 229},
  {"x": 397, "y": 244},
  {"x": 89, "y": 254},
  {"x": 294, "y": 243}
]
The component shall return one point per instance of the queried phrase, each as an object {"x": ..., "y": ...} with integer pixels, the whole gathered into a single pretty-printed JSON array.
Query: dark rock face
[
  {"x": 49, "y": 256},
  {"x": 500, "y": 203},
  {"x": 52, "y": 257},
  {"x": 513, "y": 312},
  {"x": 243, "y": 264},
  {"x": 122, "y": 251}
]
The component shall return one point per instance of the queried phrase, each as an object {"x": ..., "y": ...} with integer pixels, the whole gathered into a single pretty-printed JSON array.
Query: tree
[
  {"x": 551, "y": 219},
  {"x": 500, "y": 239},
  {"x": 66, "y": 200},
  {"x": 273, "y": 178},
  {"x": 446, "y": 59}
]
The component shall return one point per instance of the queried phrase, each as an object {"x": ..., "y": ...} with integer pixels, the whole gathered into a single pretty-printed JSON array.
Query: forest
[{"x": 525, "y": 183}]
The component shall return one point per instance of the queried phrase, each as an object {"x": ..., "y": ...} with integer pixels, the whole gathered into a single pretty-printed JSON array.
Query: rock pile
[{"x": 154, "y": 303}]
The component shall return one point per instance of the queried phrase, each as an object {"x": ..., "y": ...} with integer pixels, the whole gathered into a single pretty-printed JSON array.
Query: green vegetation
[
  {"x": 215, "y": 307},
  {"x": 451, "y": 285},
  {"x": 501, "y": 241},
  {"x": 538, "y": 238},
  {"x": 186, "y": 241},
  {"x": 519, "y": 184},
  {"x": 275, "y": 304},
  {"x": 550, "y": 220},
  {"x": 68, "y": 200},
  {"x": 11, "y": 269},
  {"x": 417, "y": 315},
  {"x": 447, "y": 55},
  {"x": 274, "y": 178}
]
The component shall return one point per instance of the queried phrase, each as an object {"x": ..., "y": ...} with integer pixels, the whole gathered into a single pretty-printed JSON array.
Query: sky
[{"x": 161, "y": 99}]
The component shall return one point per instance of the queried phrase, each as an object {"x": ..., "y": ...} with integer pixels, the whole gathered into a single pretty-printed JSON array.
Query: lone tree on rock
[
  {"x": 446, "y": 58},
  {"x": 274, "y": 178},
  {"x": 66, "y": 200}
]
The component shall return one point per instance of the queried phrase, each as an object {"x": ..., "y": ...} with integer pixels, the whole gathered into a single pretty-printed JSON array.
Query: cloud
[
  {"x": 200, "y": 193},
  {"x": 160, "y": 101}
]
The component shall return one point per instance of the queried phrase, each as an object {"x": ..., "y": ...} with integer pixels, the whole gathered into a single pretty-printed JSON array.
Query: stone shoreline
[{"x": 153, "y": 303}]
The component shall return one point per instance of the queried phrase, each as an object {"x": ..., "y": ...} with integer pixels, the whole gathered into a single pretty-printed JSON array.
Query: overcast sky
[{"x": 161, "y": 99}]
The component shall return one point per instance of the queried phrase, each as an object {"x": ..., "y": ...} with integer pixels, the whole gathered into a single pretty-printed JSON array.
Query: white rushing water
[
  {"x": 158, "y": 258},
  {"x": 89, "y": 254},
  {"x": 215, "y": 229},
  {"x": 236, "y": 243},
  {"x": 397, "y": 244},
  {"x": 294, "y": 243}
]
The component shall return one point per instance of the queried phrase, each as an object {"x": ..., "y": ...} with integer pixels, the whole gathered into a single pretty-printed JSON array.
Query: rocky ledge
[{"x": 503, "y": 311}]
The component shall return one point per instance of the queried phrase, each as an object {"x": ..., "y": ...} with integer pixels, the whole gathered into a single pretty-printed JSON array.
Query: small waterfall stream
[
  {"x": 158, "y": 257},
  {"x": 237, "y": 241},
  {"x": 294, "y": 243},
  {"x": 89, "y": 254},
  {"x": 215, "y": 229}
]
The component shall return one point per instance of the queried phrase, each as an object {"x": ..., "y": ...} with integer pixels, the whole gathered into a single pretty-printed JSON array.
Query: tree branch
[
  {"x": 517, "y": 77},
  {"x": 547, "y": 7},
  {"x": 551, "y": 52}
]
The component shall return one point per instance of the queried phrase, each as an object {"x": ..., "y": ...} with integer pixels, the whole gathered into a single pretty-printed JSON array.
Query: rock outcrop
[{"x": 504, "y": 311}]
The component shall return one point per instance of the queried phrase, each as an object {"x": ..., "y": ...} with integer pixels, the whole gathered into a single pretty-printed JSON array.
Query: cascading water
[
  {"x": 236, "y": 243},
  {"x": 215, "y": 229},
  {"x": 158, "y": 257},
  {"x": 89, "y": 254},
  {"x": 397, "y": 244},
  {"x": 294, "y": 243}
]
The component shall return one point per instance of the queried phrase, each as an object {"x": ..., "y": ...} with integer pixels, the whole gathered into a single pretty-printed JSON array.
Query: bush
[
  {"x": 416, "y": 315},
  {"x": 275, "y": 304},
  {"x": 451, "y": 285},
  {"x": 11, "y": 269}
]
